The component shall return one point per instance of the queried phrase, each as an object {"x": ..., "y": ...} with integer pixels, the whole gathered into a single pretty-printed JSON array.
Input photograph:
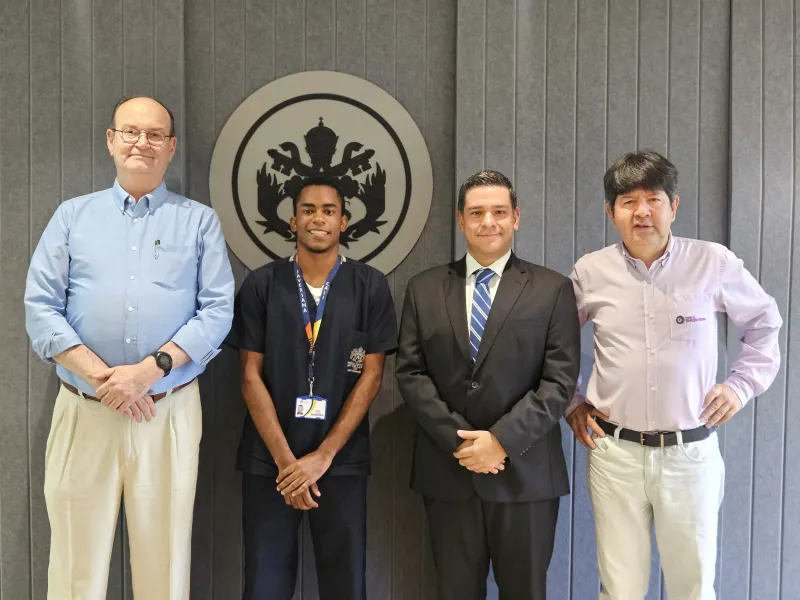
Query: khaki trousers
[{"x": 95, "y": 455}]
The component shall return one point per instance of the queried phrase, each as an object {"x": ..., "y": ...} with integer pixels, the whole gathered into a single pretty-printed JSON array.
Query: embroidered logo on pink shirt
[{"x": 689, "y": 319}]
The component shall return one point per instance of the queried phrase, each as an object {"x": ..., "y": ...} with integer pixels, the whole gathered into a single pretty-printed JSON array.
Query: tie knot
[{"x": 484, "y": 276}]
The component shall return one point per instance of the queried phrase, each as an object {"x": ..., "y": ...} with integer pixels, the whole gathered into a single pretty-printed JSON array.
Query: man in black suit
[{"x": 488, "y": 361}]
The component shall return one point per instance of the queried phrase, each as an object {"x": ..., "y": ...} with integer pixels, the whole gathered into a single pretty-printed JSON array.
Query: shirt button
[
  {"x": 132, "y": 277},
  {"x": 127, "y": 340},
  {"x": 136, "y": 220},
  {"x": 133, "y": 248},
  {"x": 652, "y": 352},
  {"x": 650, "y": 316},
  {"x": 652, "y": 388},
  {"x": 130, "y": 308},
  {"x": 475, "y": 385}
]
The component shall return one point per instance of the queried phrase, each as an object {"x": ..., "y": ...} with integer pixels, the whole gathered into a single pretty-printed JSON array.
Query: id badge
[{"x": 310, "y": 407}]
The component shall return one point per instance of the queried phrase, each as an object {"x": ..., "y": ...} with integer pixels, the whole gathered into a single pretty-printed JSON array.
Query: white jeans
[
  {"x": 93, "y": 456},
  {"x": 679, "y": 488}
]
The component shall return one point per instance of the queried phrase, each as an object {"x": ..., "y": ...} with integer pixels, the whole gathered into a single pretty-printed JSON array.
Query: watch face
[{"x": 164, "y": 361}]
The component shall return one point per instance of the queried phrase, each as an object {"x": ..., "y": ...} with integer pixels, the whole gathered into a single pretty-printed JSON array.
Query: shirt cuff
[
  {"x": 742, "y": 389},
  {"x": 577, "y": 400},
  {"x": 199, "y": 350},
  {"x": 49, "y": 345}
]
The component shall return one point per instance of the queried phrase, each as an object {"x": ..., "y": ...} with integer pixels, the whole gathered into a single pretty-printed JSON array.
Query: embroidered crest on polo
[
  {"x": 321, "y": 124},
  {"x": 356, "y": 362}
]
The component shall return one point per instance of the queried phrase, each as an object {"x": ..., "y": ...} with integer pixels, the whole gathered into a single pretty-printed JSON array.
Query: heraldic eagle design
[{"x": 321, "y": 146}]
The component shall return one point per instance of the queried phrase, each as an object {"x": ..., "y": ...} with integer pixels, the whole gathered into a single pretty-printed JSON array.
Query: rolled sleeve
[
  {"x": 46, "y": 291},
  {"x": 202, "y": 336}
]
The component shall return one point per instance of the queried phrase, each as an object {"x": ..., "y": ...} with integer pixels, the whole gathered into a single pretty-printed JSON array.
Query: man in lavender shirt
[{"x": 652, "y": 404}]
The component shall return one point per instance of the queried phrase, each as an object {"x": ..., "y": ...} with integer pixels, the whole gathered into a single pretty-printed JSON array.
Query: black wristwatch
[{"x": 164, "y": 361}]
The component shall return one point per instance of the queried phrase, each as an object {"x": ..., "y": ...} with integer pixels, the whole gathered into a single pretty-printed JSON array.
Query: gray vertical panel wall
[
  {"x": 761, "y": 552},
  {"x": 547, "y": 91}
]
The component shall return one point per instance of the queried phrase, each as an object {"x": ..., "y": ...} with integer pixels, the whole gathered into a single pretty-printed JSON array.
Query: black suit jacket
[{"x": 518, "y": 387}]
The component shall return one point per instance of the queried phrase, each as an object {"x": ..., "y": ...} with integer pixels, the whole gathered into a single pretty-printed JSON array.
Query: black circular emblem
[
  {"x": 321, "y": 144},
  {"x": 336, "y": 127},
  {"x": 680, "y": 320}
]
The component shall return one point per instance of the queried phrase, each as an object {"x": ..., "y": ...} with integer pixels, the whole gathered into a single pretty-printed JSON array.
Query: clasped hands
[
  {"x": 126, "y": 389},
  {"x": 297, "y": 480},
  {"x": 480, "y": 452}
]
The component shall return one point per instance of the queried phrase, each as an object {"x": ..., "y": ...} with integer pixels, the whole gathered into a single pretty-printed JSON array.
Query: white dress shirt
[
  {"x": 473, "y": 266},
  {"x": 655, "y": 331}
]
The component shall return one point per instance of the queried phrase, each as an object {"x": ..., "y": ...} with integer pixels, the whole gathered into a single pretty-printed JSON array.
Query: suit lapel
[
  {"x": 511, "y": 286},
  {"x": 455, "y": 294}
]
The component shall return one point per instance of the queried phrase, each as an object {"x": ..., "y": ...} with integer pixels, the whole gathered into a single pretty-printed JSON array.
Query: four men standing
[{"x": 130, "y": 292}]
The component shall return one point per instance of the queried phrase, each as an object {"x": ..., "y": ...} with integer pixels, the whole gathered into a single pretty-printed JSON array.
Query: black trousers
[
  {"x": 338, "y": 530},
  {"x": 517, "y": 537}
]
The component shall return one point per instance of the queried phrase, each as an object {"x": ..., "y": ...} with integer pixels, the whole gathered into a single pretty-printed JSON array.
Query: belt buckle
[{"x": 659, "y": 433}]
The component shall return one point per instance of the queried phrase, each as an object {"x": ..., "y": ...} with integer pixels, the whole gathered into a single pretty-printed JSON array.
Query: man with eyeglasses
[{"x": 130, "y": 293}]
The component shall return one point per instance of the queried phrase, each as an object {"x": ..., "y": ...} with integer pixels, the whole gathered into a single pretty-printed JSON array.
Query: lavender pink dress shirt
[{"x": 655, "y": 332}]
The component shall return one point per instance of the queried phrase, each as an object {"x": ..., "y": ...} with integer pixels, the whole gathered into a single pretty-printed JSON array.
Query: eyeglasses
[{"x": 132, "y": 136}]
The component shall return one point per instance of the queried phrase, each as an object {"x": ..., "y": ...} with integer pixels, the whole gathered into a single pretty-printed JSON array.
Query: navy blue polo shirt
[{"x": 359, "y": 319}]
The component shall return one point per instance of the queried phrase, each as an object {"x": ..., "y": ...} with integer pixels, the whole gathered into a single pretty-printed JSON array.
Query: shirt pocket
[
  {"x": 690, "y": 318},
  {"x": 174, "y": 267}
]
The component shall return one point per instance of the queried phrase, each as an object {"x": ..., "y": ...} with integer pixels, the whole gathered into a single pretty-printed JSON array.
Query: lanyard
[{"x": 312, "y": 330}]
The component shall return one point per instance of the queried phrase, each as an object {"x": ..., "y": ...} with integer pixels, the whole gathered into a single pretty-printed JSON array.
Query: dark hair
[
  {"x": 482, "y": 179},
  {"x": 316, "y": 180},
  {"x": 125, "y": 99},
  {"x": 645, "y": 169}
]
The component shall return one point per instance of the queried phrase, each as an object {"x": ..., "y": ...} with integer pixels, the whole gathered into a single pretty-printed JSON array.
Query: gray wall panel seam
[
  {"x": 305, "y": 39},
  {"x": 61, "y": 100},
  {"x": 787, "y": 356},
  {"x": 758, "y": 277},
  {"x": 27, "y": 353},
  {"x": 336, "y": 36},
  {"x": 514, "y": 106},
  {"x": 669, "y": 70},
  {"x": 155, "y": 52},
  {"x": 544, "y": 132},
  {"x": 699, "y": 104},
  {"x": 575, "y": 143},
  {"x": 638, "y": 68},
  {"x": 605, "y": 128},
  {"x": 485, "y": 61}
]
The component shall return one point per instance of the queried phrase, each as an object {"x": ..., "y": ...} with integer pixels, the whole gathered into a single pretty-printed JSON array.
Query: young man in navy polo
[{"x": 313, "y": 331}]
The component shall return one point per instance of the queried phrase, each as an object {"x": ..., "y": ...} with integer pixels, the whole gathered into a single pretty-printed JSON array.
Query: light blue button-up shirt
[{"x": 124, "y": 278}]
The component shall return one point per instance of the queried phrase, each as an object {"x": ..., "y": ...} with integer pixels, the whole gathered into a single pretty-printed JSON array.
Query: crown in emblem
[{"x": 321, "y": 145}]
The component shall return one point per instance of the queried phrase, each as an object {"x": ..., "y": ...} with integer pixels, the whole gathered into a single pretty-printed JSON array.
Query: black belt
[{"x": 657, "y": 439}]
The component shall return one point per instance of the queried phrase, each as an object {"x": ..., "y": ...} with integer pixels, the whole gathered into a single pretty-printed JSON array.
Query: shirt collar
[
  {"x": 292, "y": 257},
  {"x": 497, "y": 266},
  {"x": 661, "y": 259},
  {"x": 151, "y": 201}
]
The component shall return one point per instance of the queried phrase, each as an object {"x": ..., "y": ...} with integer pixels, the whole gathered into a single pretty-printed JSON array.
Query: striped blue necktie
[{"x": 481, "y": 304}]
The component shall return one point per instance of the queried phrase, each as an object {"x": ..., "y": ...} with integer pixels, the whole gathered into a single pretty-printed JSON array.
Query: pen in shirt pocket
[{"x": 156, "y": 246}]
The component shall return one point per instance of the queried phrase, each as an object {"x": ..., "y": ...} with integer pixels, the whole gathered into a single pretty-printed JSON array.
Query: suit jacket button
[{"x": 475, "y": 385}]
